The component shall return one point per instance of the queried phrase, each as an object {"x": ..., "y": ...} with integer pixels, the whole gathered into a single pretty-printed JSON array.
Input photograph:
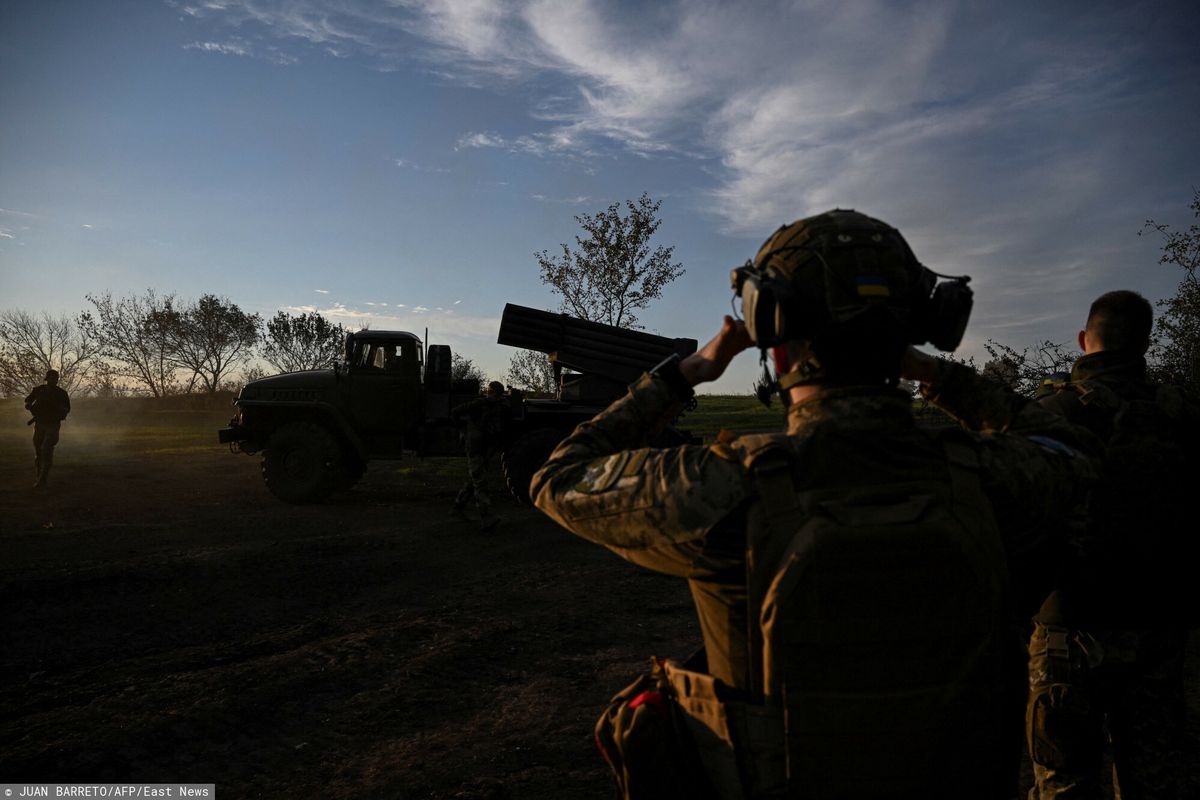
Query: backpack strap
[{"x": 769, "y": 458}]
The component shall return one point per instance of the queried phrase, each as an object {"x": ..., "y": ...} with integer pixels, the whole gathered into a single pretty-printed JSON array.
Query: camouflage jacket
[
  {"x": 48, "y": 404},
  {"x": 1134, "y": 537},
  {"x": 683, "y": 511}
]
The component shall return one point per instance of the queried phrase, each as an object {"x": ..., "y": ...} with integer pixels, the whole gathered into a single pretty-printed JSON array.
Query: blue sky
[{"x": 399, "y": 163}]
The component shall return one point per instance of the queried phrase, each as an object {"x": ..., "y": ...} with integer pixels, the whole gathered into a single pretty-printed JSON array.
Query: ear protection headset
[{"x": 775, "y": 310}]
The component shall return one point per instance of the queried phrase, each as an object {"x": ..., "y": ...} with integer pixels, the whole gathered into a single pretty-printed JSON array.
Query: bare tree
[
  {"x": 213, "y": 336},
  {"x": 612, "y": 272},
  {"x": 307, "y": 341},
  {"x": 1175, "y": 350},
  {"x": 531, "y": 371},
  {"x": 1024, "y": 371},
  {"x": 136, "y": 335},
  {"x": 31, "y": 344}
]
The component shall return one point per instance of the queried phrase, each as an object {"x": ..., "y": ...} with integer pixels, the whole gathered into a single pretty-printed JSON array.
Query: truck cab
[{"x": 317, "y": 429}]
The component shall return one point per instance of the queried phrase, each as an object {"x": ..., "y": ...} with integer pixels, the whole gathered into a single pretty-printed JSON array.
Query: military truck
[{"x": 390, "y": 397}]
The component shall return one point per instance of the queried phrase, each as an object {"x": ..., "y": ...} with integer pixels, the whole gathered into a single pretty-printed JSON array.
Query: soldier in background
[
  {"x": 1107, "y": 650},
  {"x": 49, "y": 404},
  {"x": 487, "y": 423},
  {"x": 851, "y": 575}
]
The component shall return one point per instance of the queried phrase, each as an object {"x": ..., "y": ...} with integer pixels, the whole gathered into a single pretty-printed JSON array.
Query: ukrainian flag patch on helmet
[{"x": 873, "y": 286}]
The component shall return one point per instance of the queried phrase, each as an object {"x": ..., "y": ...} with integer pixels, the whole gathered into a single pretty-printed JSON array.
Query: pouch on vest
[{"x": 645, "y": 738}]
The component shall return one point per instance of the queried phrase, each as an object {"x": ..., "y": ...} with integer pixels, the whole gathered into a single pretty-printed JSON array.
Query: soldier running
[
  {"x": 487, "y": 422},
  {"x": 49, "y": 404}
]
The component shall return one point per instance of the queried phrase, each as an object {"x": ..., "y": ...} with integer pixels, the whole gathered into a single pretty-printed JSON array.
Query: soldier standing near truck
[
  {"x": 49, "y": 404},
  {"x": 487, "y": 422}
]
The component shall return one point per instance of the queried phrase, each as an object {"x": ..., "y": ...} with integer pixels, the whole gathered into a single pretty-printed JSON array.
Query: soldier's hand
[
  {"x": 918, "y": 366},
  {"x": 709, "y": 362}
]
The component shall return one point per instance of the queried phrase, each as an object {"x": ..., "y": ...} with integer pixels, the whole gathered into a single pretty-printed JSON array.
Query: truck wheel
[
  {"x": 526, "y": 456},
  {"x": 352, "y": 469},
  {"x": 301, "y": 463}
]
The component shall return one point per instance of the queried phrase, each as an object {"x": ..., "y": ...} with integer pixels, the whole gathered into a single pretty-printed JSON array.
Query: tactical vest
[{"x": 884, "y": 665}]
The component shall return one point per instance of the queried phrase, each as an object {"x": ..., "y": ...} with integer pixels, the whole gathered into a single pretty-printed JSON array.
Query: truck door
[{"x": 385, "y": 392}]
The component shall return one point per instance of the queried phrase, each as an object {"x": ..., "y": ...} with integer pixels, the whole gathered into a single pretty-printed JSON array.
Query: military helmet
[{"x": 843, "y": 276}]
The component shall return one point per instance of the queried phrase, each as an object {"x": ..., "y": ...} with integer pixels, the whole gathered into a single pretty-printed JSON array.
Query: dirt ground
[{"x": 163, "y": 618}]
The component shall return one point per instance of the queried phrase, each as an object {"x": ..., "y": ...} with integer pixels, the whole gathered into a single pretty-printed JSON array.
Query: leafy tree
[
  {"x": 608, "y": 276},
  {"x": 531, "y": 371},
  {"x": 212, "y": 337},
  {"x": 31, "y": 344},
  {"x": 1175, "y": 350},
  {"x": 307, "y": 341},
  {"x": 135, "y": 336},
  {"x": 464, "y": 369},
  {"x": 612, "y": 272}
]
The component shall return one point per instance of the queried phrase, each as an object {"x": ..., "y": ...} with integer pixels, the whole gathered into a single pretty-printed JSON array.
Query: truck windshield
[{"x": 402, "y": 356}]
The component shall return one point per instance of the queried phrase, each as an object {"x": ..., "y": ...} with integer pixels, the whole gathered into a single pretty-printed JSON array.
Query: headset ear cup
[
  {"x": 949, "y": 312},
  {"x": 766, "y": 317}
]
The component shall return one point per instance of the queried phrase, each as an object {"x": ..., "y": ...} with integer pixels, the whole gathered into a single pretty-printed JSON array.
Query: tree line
[{"x": 156, "y": 344}]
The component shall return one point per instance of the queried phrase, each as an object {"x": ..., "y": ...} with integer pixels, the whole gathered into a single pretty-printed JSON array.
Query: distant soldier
[
  {"x": 851, "y": 574},
  {"x": 49, "y": 404},
  {"x": 1108, "y": 646},
  {"x": 487, "y": 423}
]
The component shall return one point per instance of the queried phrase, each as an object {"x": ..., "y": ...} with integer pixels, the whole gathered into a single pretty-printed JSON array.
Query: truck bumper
[{"x": 231, "y": 435}]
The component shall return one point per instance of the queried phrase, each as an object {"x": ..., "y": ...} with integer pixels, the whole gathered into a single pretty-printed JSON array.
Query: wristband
[{"x": 668, "y": 370}]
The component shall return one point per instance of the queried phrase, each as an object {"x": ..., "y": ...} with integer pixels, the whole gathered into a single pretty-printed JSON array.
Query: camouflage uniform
[
  {"x": 1107, "y": 652},
  {"x": 49, "y": 406},
  {"x": 486, "y": 419},
  {"x": 684, "y": 511}
]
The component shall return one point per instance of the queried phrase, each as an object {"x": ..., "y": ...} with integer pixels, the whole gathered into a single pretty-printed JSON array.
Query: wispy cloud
[
  {"x": 243, "y": 48},
  {"x": 458, "y": 327},
  {"x": 6, "y": 235},
  {"x": 404, "y": 163},
  {"x": 572, "y": 201},
  {"x": 321, "y": 291},
  {"x": 13, "y": 213}
]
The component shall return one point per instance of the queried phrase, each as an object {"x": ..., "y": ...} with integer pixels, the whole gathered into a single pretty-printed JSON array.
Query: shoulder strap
[
  {"x": 967, "y": 494},
  {"x": 770, "y": 462}
]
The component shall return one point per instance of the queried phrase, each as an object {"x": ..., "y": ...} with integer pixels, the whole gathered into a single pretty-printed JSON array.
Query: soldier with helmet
[
  {"x": 853, "y": 575},
  {"x": 487, "y": 422},
  {"x": 49, "y": 404}
]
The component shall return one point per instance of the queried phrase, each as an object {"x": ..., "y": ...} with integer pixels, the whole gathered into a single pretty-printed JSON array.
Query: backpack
[{"x": 882, "y": 632}]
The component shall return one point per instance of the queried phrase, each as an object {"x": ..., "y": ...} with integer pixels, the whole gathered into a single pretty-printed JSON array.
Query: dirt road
[{"x": 164, "y": 619}]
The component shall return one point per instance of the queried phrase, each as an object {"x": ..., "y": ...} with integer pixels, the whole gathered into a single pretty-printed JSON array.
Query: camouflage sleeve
[
  {"x": 1036, "y": 469},
  {"x": 987, "y": 407},
  {"x": 655, "y": 507}
]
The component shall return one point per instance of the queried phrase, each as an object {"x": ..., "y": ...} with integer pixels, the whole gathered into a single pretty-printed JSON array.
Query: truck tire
[
  {"x": 526, "y": 456},
  {"x": 352, "y": 469},
  {"x": 302, "y": 463}
]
